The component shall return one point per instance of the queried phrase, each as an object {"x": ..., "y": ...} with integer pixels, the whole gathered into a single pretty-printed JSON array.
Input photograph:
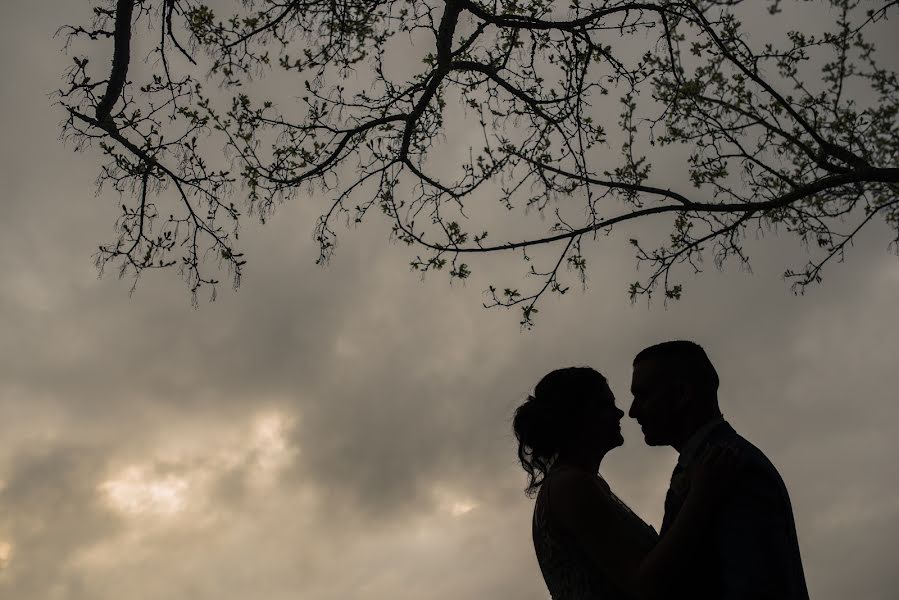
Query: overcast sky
[{"x": 344, "y": 432}]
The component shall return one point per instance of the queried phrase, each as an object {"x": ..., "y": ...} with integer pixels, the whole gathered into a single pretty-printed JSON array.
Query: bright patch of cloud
[
  {"x": 179, "y": 479},
  {"x": 5, "y": 554},
  {"x": 138, "y": 492},
  {"x": 462, "y": 507},
  {"x": 453, "y": 503},
  {"x": 269, "y": 443}
]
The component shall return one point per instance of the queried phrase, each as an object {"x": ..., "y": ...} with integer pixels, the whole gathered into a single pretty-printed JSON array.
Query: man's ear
[{"x": 683, "y": 395}]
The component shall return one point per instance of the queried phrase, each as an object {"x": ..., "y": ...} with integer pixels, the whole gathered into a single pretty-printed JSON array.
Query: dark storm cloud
[{"x": 50, "y": 511}]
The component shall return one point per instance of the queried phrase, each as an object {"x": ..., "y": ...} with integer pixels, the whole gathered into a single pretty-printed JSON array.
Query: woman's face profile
[{"x": 602, "y": 420}]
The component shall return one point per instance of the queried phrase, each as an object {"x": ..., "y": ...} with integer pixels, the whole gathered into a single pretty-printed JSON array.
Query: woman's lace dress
[{"x": 567, "y": 570}]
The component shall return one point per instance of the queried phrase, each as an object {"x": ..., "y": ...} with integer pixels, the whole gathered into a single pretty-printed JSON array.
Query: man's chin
[{"x": 653, "y": 440}]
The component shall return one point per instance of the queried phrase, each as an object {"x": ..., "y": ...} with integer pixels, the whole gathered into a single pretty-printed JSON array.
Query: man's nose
[{"x": 633, "y": 411}]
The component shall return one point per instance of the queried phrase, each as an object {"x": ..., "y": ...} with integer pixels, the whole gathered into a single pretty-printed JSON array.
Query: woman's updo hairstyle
[{"x": 546, "y": 418}]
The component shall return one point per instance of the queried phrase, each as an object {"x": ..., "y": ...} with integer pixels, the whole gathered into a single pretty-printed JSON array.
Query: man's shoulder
[
  {"x": 755, "y": 462},
  {"x": 726, "y": 435},
  {"x": 757, "y": 474}
]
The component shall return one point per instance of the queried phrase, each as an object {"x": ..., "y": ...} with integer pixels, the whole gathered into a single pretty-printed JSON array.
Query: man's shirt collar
[{"x": 694, "y": 442}]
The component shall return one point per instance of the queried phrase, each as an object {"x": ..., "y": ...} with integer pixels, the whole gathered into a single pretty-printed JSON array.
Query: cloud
[
  {"x": 50, "y": 512},
  {"x": 344, "y": 432}
]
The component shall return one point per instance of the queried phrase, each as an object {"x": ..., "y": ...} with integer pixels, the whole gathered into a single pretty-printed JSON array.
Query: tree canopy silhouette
[{"x": 576, "y": 107}]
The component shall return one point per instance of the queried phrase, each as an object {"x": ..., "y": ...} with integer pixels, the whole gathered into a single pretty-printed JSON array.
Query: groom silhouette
[{"x": 751, "y": 550}]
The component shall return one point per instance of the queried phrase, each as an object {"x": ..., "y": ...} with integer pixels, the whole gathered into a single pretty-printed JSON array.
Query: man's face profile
[{"x": 656, "y": 401}]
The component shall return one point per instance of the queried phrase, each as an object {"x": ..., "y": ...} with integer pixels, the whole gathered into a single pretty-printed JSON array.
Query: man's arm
[{"x": 753, "y": 541}]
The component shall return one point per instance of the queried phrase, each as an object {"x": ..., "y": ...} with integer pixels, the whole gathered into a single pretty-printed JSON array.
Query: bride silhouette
[{"x": 589, "y": 544}]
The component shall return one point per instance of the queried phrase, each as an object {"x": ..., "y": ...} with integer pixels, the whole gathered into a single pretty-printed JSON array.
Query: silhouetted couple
[{"x": 728, "y": 530}]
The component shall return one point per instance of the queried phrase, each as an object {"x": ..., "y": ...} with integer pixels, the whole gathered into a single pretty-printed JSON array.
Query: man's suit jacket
[{"x": 751, "y": 552}]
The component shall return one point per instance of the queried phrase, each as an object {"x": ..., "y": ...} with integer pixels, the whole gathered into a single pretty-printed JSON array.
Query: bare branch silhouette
[{"x": 800, "y": 136}]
